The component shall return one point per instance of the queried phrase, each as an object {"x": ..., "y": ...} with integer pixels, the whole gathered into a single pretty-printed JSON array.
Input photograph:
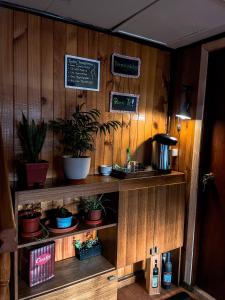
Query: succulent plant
[{"x": 32, "y": 137}]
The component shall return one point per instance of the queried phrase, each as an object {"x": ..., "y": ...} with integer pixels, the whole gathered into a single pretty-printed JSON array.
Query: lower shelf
[{"x": 67, "y": 272}]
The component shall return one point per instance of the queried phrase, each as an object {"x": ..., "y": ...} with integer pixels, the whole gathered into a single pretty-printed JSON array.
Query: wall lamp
[{"x": 184, "y": 112}]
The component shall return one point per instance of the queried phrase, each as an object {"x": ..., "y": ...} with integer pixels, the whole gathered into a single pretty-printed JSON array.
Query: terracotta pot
[
  {"x": 31, "y": 224},
  {"x": 94, "y": 215},
  {"x": 36, "y": 173}
]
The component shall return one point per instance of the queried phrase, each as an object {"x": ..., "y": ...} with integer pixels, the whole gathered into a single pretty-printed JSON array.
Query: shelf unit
[
  {"x": 69, "y": 271},
  {"x": 132, "y": 200}
]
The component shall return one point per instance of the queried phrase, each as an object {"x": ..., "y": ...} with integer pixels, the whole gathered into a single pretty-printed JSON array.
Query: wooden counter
[{"x": 93, "y": 184}]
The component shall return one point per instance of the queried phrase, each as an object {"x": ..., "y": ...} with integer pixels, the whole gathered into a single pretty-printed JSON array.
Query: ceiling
[{"x": 174, "y": 23}]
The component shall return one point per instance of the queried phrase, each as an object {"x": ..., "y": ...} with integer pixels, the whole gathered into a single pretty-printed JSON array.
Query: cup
[{"x": 105, "y": 170}]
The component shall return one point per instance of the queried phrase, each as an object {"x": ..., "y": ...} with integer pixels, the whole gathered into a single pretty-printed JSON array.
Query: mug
[{"x": 105, "y": 170}]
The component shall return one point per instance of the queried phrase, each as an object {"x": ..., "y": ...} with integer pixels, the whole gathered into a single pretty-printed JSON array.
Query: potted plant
[
  {"x": 32, "y": 137},
  {"x": 88, "y": 248},
  {"x": 94, "y": 207},
  {"x": 30, "y": 220},
  {"x": 63, "y": 217},
  {"x": 78, "y": 139}
]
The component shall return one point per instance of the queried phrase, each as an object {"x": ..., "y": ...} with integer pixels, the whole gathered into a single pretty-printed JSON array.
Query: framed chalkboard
[
  {"x": 82, "y": 73},
  {"x": 125, "y": 66},
  {"x": 124, "y": 103}
]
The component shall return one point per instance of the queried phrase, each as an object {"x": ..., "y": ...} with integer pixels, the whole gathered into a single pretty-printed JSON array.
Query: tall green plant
[
  {"x": 32, "y": 137},
  {"x": 79, "y": 131}
]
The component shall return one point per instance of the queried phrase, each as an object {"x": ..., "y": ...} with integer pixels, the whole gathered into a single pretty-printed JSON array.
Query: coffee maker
[{"x": 161, "y": 152}]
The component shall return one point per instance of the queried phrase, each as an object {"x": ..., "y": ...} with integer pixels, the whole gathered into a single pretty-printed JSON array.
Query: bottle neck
[{"x": 168, "y": 257}]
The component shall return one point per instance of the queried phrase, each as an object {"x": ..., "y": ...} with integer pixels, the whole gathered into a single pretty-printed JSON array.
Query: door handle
[
  {"x": 112, "y": 277},
  {"x": 208, "y": 177}
]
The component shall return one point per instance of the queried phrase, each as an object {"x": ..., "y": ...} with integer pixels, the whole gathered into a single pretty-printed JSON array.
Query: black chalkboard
[
  {"x": 82, "y": 73},
  {"x": 125, "y": 66},
  {"x": 120, "y": 102}
]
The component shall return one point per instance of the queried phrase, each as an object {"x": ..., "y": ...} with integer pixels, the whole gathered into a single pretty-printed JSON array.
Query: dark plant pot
[
  {"x": 86, "y": 253},
  {"x": 36, "y": 173},
  {"x": 94, "y": 215},
  {"x": 30, "y": 224}
]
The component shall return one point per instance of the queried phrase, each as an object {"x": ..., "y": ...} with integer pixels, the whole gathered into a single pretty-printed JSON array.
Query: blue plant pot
[{"x": 64, "y": 222}]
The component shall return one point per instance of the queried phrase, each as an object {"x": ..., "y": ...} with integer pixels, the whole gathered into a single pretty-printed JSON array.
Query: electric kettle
[{"x": 161, "y": 152}]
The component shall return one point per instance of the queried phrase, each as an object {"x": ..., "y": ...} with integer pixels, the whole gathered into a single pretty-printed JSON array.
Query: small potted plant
[
  {"x": 94, "y": 207},
  {"x": 87, "y": 249},
  {"x": 78, "y": 139},
  {"x": 63, "y": 217},
  {"x": 32, "y": 137},
  {"x": 30, "y": 220}
]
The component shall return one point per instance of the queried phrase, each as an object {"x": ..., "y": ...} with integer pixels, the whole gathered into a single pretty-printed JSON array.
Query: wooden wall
[
  {"x": 186, "y": 67},
  {"x": 32, "y": 81}
]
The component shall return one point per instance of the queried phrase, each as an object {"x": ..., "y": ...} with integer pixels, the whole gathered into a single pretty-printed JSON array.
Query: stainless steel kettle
[{"x": 161, "y": 152}]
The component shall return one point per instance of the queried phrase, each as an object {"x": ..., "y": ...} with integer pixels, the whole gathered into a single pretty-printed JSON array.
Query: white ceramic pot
[{"x": 76, "y": 167}]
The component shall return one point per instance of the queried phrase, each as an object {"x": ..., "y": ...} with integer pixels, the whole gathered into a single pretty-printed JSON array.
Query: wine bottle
[
  {"x": 167, "y": 272},
  {"x": 155, "y": 276}
]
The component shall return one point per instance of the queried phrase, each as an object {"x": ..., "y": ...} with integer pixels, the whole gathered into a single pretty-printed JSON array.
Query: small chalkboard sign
[
  {"x": 82, "y": 73},
  {"x": 125, "y": 66},
  {"x": 124, "y": 103}
]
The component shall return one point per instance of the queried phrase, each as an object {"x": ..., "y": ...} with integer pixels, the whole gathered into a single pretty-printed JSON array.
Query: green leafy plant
[
  {"x": 62, "y": 212},
  {"x": 94, "y": 202},
  {"x": 87, "y": 244},
  {"x": 78, "y": 132},
  {"x": 32, "y": 137}
]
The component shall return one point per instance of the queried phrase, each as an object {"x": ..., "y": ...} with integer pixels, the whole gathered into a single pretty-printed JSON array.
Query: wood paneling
[
  {"x": 32, "y": 80},
  {"x": 169, "y": 216},
  {"x": 150, "y": 217}
]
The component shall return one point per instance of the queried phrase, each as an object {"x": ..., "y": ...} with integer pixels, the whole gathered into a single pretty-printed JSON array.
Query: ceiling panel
[
  {"x": 176, "y": 22},
  {"x": 102, "y": 13},
  {"x": 41, "y": 4}
]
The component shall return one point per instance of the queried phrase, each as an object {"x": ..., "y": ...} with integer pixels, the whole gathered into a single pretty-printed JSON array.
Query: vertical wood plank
[
  {"x": 150, "y": 231},
  {"x": 116, "y": 81},
  {"x": 6, "y": 84},
  {"x": 59, "y": 91},
  {"x": 160, "y": 216},
  {"x": 4, "y": 276},
  {"x": 47, "y": 88},
  {"x": 92, "y": 95},
  {"x": 132, "y": 227},
  {"x": 142, "y": 224},
  {"x": 122, "y": 229},
  {"x": 71, "y": 49},
  {"x": 19, "y": 74},
  {"x": 100, "y": 102},
  {"x": 34, "y": 70}
]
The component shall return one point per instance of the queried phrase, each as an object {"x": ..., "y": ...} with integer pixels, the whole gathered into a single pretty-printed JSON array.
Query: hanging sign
[
  {"x": 82, "y": 73},
  {"x": 125, "y": 66},
  {"x": 124, "y": 103}
]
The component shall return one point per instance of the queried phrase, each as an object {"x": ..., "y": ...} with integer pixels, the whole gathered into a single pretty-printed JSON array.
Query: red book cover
[{"x": 38, "y": 263}]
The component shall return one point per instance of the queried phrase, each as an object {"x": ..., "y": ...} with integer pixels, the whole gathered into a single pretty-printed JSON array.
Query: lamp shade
[{"x": 184, "y": 112}]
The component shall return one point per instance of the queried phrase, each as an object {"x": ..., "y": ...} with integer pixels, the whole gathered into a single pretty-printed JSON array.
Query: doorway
[{"x": 210, "y": 236}]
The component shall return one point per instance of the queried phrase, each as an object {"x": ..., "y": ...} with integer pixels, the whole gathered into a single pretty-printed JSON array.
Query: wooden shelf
[
  {"x": 92, "y": 185},
  {"x": 80, "y": 229},
  {"x": 67, "y": 272}
]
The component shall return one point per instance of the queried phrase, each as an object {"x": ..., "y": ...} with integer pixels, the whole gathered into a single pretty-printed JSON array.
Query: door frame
[{"x": 190, "y": 263}]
